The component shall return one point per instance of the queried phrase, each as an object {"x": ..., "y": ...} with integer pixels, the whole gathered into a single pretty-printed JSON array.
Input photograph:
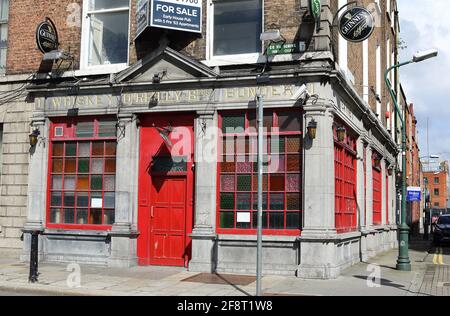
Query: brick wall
[
  {"x": 355, "y": 60},
  {"x": 24, "y": 16},
  {"x": 437, "y": 201},
  {"x": 24, "y": 57}
]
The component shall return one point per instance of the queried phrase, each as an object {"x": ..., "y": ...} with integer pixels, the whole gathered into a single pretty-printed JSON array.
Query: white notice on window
[
  {"x": 96, "y": 203},
  {"x": 243, "y": 217}
]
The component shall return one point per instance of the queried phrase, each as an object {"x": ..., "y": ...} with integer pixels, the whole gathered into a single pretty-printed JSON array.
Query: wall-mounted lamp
[
  {"x": 312, "y": 130},
  {"x": 377, "y": 161},
  {"x": 390, "y": 171},
  {"x": 34, "y": 137},
  {"x": 273, "y": 35},
  {"x": 156, "y": 79},
  {"x": 341, "y": 134}
]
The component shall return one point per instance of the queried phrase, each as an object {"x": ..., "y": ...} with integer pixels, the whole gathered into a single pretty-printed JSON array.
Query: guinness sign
[
  {"x": 47, "y": 37},
  {"x": 356, "y": 24}
]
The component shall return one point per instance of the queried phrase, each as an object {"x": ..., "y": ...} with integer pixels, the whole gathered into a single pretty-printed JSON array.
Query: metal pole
[
  {"x": 259, "y": 264},
  {"x": 403, "y": 262},
  {"x": 34, "y": 258}
]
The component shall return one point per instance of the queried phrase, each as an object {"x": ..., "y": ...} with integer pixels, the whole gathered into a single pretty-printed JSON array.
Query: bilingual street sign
[
  {"x": 356, "y": 24},
  {"x": 414, "y": 194},
  {"x": 285, "y": 48},
  {"x": 180, "y": 15}
]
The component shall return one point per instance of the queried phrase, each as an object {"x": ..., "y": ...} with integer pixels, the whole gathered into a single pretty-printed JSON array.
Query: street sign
[
  {"x": 285, "y": 48},
  {"x": 356, "y": 24},
  {"x": 414, "y": 194},
  {"x": 181, "y": 15}
]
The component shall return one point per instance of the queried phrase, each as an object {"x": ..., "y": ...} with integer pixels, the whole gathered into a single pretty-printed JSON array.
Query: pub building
[{"x": 155, "y": 164}]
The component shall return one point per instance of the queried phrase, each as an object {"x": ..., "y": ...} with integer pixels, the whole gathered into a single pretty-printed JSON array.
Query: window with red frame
[
  {"x": 345, "y": 184},
  {"x": 377, "y": 189},
  {"x": 82, "y": 174},
  {"x": 238, "y": 176}
]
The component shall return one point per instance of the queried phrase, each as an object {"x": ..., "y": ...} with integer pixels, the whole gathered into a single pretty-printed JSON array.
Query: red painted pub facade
[{"x": 154, "y": 162}]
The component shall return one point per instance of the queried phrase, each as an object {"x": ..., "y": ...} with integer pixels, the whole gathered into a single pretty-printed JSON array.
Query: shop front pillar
[
  {"x": 37, "y": 178},
  {"x": 361, "y": 198},
  {"x": 369, "y": 188},
  {"x": 368, "y": 243},
  {"x": 204, "y": 232},
  {"x": 124, "y": 233},
  {"x": 318, "y": 252}
]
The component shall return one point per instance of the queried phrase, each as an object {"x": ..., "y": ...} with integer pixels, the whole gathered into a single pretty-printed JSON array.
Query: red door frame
[
  {"x": 149, "y": 143},
  {"x": 387, "y": 198}
]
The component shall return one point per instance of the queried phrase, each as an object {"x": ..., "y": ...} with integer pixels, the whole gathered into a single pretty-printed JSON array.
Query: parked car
[{"x": 442, "y": 230}]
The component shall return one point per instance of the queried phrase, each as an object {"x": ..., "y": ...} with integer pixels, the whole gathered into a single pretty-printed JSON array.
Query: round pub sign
[
  {"x": 356, "y": 24},
  {"x": 46, "y": 37}
]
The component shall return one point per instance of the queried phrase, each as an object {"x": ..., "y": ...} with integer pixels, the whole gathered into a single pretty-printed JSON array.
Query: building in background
[
  {"x": 435, "y": 179},
  {"x": 414, "y": 170},
  {"x": 107, "y": 182}
]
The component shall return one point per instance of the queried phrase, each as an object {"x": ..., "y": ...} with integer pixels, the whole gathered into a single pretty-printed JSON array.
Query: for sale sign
[{"x": 181, "y": 15}]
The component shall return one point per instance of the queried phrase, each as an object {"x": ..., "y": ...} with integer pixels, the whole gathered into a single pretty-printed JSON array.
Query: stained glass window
[
  {"x": 282, "y": 168},
  {"x": 83, "y": 168}
]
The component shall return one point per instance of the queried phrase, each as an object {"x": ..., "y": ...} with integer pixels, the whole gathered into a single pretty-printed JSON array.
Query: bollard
[{"x": 34, "y": 257}]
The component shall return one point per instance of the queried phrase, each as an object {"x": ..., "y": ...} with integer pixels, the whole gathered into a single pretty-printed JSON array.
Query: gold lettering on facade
[{"x": 242, "y": 94}]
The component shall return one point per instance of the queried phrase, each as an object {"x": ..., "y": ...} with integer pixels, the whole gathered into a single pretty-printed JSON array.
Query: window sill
[
  {"x": 96, "y": 70},
  {"x": 92, "y": 232},
  {"x": 229, "y": 60},
  {"x": 237, "y": 237}
]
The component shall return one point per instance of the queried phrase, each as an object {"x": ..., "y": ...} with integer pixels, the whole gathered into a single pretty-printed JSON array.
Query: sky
[{"x": 424, "y": 25}]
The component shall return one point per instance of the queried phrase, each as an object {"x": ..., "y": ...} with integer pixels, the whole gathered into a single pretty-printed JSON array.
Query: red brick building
[
  {"x": 415, "y": 213},
  {"x": 436, "y": 182}
]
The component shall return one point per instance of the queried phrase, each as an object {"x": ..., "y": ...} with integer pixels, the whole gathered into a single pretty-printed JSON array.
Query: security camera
[{"x": 302, "y": 92}]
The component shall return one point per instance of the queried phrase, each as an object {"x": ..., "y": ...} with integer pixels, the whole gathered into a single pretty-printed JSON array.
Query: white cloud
[{"x": 424, "y": 24}]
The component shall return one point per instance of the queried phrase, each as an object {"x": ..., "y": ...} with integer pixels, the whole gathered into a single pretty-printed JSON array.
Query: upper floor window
[
  {"x": 436, "y": 192},
  {"x": 436, "y": 180},
  {"x": 105, "y": 32},
  {"x": 236, "y": 27},
  {"x": 4, "y": 12}
]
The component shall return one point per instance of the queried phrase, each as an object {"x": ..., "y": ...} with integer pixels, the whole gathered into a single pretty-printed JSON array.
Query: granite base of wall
[{"x": 237, "y": 254}]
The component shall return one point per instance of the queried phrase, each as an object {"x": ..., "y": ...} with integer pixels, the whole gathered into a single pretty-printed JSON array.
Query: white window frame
[
  {"x": 5, "y": 22},
  {"x": 224, "y": 60},
  {"x": 85, "y": 42}
]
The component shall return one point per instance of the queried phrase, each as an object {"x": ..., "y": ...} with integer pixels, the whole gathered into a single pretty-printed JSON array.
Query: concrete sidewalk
[{"x": 160, "y": 281}]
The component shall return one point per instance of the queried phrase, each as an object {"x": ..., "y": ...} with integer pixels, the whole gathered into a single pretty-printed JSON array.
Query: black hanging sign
[
  {"x": 356, "y": 24},
  {"x": 47, "y": 37}
]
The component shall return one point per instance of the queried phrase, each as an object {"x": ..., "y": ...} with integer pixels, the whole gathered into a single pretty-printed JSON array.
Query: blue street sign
[
  {"x": 414, "y": 194},
  {"x": 181, "y": 15}
]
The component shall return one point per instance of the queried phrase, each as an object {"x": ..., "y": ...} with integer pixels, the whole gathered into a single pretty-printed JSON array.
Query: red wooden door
[
  {"x": 166, "y": 186},
  {"x": 168, "y": 221}
]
